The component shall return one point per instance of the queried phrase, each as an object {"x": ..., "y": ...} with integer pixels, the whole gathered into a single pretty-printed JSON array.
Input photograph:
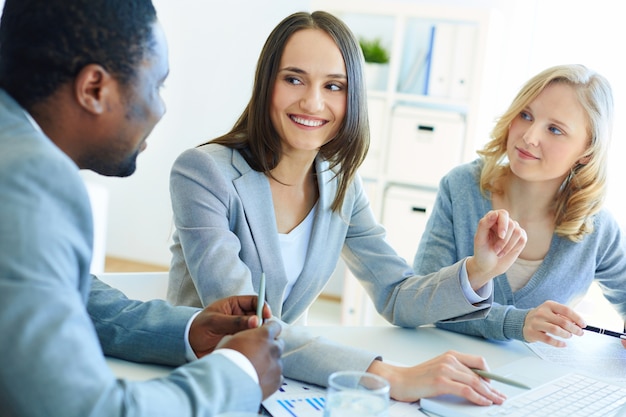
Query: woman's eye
[
  {"x": 293, "y": 80},
  {"x": 555, "y": 130},
  {"x": 334, "y": 87},
  {"x": 526, "y": 116}
]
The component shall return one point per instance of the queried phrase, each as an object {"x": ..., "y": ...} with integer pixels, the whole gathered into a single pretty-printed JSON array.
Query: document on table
[
  {"x": 298, "y": 399},
  {"x": 593, "y": 353}
]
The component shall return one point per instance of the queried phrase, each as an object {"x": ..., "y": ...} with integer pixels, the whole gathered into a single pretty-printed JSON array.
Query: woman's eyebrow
[{"x": 298, "y": 70}]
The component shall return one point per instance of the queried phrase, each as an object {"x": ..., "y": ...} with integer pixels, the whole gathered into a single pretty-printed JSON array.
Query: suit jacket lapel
[
  {"x": 254, "y": 191},
  {"x": 310, "y": 279}
]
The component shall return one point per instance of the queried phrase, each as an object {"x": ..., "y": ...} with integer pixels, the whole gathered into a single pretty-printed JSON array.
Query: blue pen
[{"x": 261, "y": 301}]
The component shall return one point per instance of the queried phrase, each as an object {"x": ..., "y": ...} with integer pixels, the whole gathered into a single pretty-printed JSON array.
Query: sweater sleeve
[
  {"x": 610, "y": 271},
  {"x": 504, "y": 322}
]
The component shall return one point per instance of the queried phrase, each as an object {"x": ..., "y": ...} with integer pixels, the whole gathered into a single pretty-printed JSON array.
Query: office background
[{"x": 213, "y": 53}]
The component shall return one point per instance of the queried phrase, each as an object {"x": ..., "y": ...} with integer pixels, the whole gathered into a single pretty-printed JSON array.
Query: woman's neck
[
  {"x": 294, "y": 169},
  {"x": 294, "y": 191},
  {"x": 529, "y": 197},
  {"x": 531, "y": 204}
]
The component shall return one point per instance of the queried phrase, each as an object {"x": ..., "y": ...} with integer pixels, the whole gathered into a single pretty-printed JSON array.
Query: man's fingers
[
  {"x": 273, "y": 327},
  {"x": 224, "y": 340},
  {"x": 227, "y": 324}
]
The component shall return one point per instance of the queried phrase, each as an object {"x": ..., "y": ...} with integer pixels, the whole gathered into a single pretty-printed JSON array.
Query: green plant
[{"x": 374, "y": 51}]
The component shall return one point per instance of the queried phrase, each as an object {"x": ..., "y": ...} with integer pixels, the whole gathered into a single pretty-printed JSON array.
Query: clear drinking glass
[{"x": 356, "y": 394}]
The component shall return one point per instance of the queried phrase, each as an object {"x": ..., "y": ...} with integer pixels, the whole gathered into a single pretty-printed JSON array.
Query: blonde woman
[{"x": 546, "y": 165}]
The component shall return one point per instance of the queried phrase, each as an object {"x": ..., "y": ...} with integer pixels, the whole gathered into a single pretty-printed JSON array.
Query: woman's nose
[
  {"x": 531, "y": 136},
  {"x": 312, "y": 101}
]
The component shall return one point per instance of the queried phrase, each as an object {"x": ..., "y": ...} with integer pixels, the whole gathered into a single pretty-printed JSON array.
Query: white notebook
[{"x": 542, "y": 377}]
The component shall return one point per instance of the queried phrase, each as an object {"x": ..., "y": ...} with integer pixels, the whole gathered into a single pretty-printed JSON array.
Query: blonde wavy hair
[{"x": 582, "y": 193}]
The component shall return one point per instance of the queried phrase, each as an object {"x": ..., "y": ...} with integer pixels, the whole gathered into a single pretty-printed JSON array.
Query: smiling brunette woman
[{"x": 279, "y": 195}]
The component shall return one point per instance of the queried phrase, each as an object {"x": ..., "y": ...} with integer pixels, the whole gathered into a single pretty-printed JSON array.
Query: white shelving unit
[{"x": 431, "y": 110}]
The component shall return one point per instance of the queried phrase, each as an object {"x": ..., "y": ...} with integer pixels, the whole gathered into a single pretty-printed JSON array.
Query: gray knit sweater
[{"x": 564, "y": 275}]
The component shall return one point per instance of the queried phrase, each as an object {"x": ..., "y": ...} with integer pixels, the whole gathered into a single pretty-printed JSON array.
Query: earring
[{"x": 568, "y": 179}]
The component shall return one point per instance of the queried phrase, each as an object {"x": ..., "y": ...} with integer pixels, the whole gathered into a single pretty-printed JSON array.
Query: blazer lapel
[
  {"x": 310, "y": 279},
  {"x": 254, "y": 191}
]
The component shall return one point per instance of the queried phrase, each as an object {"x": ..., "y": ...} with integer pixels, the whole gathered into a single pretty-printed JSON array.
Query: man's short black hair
[{"x": 45, "y": 43}]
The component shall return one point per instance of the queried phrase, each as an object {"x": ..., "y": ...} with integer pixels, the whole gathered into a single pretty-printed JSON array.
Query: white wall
[
  {"x": 213, "y": 51},
  {"x": 590, "y": 33},
  {"x": 542, "y": 33}
]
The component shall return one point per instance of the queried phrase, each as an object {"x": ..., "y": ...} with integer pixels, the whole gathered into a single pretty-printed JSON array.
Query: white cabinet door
[
  {"x": 424, "y": 145},
  {"x": 405, "y": 213}
]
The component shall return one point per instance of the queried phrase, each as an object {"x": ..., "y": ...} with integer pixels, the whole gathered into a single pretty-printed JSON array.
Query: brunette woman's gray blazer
[{"x": 226, "y": 236}]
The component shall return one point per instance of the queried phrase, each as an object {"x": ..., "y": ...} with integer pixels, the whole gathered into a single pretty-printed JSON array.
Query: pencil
[
  {"x": 606, "y": 332},
  {"x": 504, "y": 380},
  {"x": 261, "y": 300}
]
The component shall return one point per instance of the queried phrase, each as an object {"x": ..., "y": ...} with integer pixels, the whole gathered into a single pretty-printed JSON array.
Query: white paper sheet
[{"x": 596, "y": 354}]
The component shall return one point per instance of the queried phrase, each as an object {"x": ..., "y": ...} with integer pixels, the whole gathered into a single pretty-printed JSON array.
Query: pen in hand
[
  {"x": 495, "y": 377},
  {"x": 261, "y": 300},
  {"x": 606, "y": 332}
]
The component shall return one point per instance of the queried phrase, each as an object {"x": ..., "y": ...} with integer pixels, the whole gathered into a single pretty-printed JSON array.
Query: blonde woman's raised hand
[{"x": 498, "y": 242}]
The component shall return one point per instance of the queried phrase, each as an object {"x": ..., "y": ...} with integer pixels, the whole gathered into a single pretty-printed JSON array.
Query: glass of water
[{"x": 356, "y": 394}]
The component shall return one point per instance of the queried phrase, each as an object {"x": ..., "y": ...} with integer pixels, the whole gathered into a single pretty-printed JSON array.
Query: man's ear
[{"x": 93, "y": 86}]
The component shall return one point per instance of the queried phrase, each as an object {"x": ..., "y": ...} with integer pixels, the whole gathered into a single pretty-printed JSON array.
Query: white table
[
  {"x": 405, "y": 346},
  {"x": 136, "y": 371},
  {"x": 413, "y": 346}
]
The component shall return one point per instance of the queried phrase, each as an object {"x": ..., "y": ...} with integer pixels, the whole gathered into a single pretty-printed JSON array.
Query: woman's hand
[
  {"x": 552, "y": 319},
  {"x": 448, "y": 373},
  {"x": 498, "y": 242}
]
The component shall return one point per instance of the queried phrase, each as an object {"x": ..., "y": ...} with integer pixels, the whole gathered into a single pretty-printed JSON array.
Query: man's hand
[
  {"x": 498, "y": 242},
  {"x": 263, "y": 350},
  {"x": 224, "y": 317}
]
